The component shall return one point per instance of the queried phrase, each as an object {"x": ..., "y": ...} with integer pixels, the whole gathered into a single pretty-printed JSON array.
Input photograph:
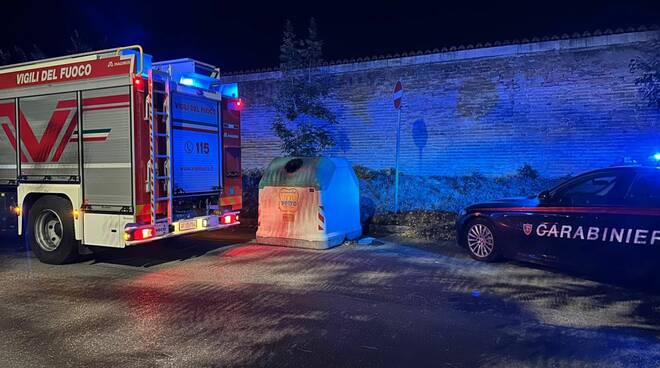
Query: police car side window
[
  {"x": 594, "y": 190},
  {"x": 645, "y": 191}
]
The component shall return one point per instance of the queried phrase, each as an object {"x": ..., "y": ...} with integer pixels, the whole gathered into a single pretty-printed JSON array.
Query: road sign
[{"x": 398, "y": 93}]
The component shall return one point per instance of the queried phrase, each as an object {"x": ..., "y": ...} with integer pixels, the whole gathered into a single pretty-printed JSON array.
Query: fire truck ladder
[{"x": 160, "y": 170}]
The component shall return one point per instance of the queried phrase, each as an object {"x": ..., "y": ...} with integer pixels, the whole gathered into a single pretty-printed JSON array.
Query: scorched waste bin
[{"x": 308, "y": 202}]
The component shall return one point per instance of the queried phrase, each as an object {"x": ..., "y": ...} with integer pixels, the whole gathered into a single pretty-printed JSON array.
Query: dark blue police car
[{"x": 605, "y": 217}]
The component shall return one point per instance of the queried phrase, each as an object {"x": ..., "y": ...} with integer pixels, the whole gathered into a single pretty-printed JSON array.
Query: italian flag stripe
[{"x": 92, "y": 135}]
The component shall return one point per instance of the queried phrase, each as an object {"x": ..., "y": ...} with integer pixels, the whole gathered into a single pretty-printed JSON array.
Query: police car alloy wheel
[{"x": 480, "y": 241}]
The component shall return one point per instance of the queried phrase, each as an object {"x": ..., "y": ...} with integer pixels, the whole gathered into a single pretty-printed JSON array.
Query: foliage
[
  {"x": 367, "y": 174},
  {"x": 301, "y": 120},
  {"x": 251, "y": 180},
  {"x": 18, "y": 54},
  {"x": 443, "y": 193},
  {"x": 78, "y": 45},
  {"x": 648, "y": 78},
  {"x": 435, "y": 225},
  {"x": 527, "y": 171}
]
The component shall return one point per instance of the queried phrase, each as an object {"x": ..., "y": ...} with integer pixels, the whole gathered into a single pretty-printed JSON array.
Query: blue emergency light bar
[
  {"x": 196, "y": 74},
  {"x": 197, "y": 81}
]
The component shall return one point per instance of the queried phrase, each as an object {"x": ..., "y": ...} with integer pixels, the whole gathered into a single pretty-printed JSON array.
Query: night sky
[{"x": 242, "y": 35}]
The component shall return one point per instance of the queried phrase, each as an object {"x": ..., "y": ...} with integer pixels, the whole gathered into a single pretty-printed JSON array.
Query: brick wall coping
[{"x": 467, "y": 54}]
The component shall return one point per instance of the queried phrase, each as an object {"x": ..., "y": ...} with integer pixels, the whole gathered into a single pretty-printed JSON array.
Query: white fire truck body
[{"x": 107, "y": 149}]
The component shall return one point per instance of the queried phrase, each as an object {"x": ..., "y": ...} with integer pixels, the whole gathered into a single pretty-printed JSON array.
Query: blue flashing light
[
  {"x": 230, "y": 90},
  {"x": 187, "y": 81},
  {"x": 656, "y": 156}
]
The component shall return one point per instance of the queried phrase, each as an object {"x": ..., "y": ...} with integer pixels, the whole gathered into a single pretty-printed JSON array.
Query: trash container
[{"x": 308, "y": 202}]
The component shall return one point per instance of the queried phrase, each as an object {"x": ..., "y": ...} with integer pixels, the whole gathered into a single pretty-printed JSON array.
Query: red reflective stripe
[
  {"x": 66, "y": 104},
  {"x": 103, "y": 100},
  {"x": 66, "y": 138},
  {"x": 603, "y": 210},
  {"x": 321, "y": 218},
  {"x": 39, "y": 150},
  {"x": 85, "y": 109}
]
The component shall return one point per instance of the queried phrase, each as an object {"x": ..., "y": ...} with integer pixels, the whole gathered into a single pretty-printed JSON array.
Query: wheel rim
[
  {"x": 480, "y": 240},
  {"x": 48, "y": 230}
]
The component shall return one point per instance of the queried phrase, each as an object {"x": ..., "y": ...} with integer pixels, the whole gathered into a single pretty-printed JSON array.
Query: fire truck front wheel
[{"x": 50, "y": 230}]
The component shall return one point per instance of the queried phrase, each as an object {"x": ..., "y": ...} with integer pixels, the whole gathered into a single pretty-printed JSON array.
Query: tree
[
  {"x": 648, "y": 78},
  {"x": 302, "y": 121},
  {"x": 78, "y": 45},
  {"x": 18, "y": 55}
]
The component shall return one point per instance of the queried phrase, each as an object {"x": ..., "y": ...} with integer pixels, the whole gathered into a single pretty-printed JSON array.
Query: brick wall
[{"x": 563, "y": 106}]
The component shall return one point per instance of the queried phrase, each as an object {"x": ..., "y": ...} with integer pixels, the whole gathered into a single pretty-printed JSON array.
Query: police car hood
[{"x": 506, "y": 202}]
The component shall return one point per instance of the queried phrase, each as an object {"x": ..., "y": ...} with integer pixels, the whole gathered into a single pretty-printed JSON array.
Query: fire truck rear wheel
[{"x": 50, "y": 230}]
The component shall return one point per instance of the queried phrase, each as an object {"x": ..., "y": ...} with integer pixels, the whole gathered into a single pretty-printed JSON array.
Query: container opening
[{"x": 293, "y": 165}]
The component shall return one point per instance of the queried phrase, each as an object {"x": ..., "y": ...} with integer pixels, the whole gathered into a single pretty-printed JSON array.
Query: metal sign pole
[{"x": 396, "y": 168}]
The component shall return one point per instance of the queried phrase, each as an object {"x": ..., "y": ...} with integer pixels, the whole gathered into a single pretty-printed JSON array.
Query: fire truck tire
[{"x": 50, "y": 230}]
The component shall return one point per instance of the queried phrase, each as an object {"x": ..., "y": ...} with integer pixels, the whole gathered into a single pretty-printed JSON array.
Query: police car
[{"x": 605, "y": 217}]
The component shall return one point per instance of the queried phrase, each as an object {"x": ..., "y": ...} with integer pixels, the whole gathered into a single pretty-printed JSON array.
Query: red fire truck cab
[{"x": 109, "y": 149}]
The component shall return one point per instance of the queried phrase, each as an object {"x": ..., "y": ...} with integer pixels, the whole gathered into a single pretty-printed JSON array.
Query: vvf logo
[
  {"x": 288, "y": 200},
  {"x": 50, "y": 145}
]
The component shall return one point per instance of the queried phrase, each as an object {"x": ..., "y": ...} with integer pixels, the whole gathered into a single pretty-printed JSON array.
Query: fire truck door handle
[
  {"x": 147, "y": 107},
  {"x": 148, "y": 179}
]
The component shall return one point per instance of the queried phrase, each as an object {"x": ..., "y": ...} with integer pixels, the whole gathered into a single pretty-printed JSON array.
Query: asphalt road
[{"x": 213, "y": 300}]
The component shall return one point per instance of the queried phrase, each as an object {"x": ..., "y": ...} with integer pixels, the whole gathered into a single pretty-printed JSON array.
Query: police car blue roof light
[{"x": 656, "y": 156}]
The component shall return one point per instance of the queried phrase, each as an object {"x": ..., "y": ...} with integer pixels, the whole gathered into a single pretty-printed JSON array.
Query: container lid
[{"x": 314, "y": 172}]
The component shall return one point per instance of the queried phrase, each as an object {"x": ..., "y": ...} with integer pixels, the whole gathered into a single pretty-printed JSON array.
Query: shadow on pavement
[
  {"x": 649, "y": 282},
  {"x": 146, "y": 255},
  {"x": 173, "y": 249}
]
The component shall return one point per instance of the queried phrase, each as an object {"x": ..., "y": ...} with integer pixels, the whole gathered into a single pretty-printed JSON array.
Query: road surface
[{"x": 217, "y": 300}]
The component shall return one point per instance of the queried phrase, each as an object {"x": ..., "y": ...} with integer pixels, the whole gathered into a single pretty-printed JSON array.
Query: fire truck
[{"x": 110, "y": 149}]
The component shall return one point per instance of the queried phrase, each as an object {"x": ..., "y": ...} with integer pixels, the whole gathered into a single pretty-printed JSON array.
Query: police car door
[
  {"x": 572, "y": 229},
  {"x": 631, "y": 234}
]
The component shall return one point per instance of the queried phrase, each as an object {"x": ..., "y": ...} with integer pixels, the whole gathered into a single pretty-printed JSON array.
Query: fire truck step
[
  {"x": 162, "y": 199},
  {"x": 162, "y": 177},
  {"x": 162, "y": 156},
  {"x": 160, "y": 113},
  {"x": 162, "y": 135}
]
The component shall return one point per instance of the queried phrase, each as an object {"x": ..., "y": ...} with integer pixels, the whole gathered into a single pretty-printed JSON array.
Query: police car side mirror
[{"x": 544, "y": 196}]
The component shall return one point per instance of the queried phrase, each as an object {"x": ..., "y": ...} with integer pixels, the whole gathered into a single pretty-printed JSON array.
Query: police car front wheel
[{"x": 479, "y": 238}]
